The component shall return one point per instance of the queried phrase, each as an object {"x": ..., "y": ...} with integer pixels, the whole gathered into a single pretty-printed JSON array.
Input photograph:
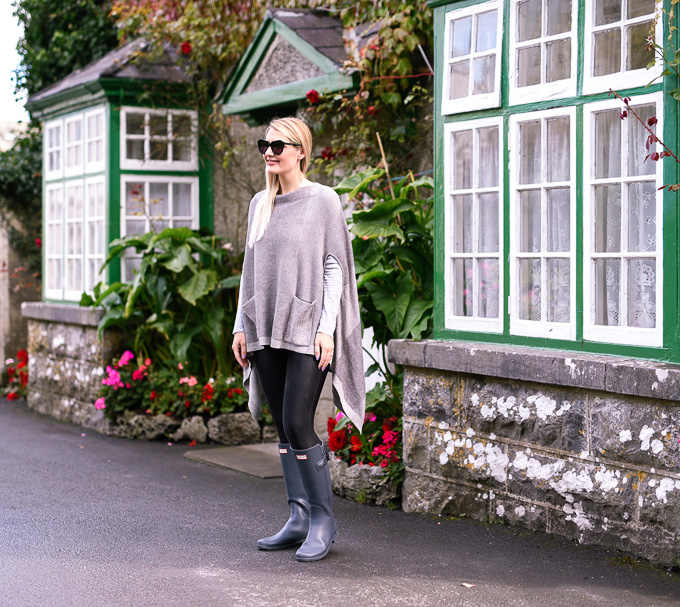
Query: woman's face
[{"x": 288, "y": 161}]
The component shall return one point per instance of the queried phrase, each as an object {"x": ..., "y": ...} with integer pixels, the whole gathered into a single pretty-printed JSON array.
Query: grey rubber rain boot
[
  {"x": 295, "y": 530},
  {"x": 323, "y": 531}
]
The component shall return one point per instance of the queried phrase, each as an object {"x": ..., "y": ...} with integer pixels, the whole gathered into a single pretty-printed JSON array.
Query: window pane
[
  {"x": 488, "y": 157},
  {"x": 158, "y": 150},
  {"x": 134, "y": 123},
  {"x": 461, "y": 34},
  {"x": 181, "y": 150},
  {"x": 638, "y": 55},
  {"x": 462, "y": 160},
  {"x": 529, "y": 18},
  {"x": 607, "y": 144},
  {"x": 638, "y": 8},
  {"x": 607, "y": 11},
  {"x": 135, "y": 149},
  {"x": 607, "y": 288},
  {"x": 607, "y": 52},
  {"x": 460, "y": 80},
  {"x": 462, "y": 224},
  {"x": 158, "y": 225},
  {"x": 488, "y": 288},
  {"x": 529, "y": 66},
  {"x": 488, "y": 223},
  {"x": 530, "y": 152},
  {"x": 462, "y": 287},
  {"x": 181, "y": 199},
  {"x": 484, "y": 71},
  {"x": 158, "y": 199},
  {"x": 486, "y": 31},
  {"x": 181, "y": 125},
  {"x": 182, "y": 223},
  {"x": 559, "y": 229},
  {"x": 607, "y": 218},
  {"x": 94, "y": 151},
  {"x": 642, "y": 216},
  {"x": 158, "y": 125},
  {"x": 637, "y": 137},
  {"x": 558, "y": 290},
  {"x": 558, "y": 155},
  {"x": 642, "y": 293},
  {"x": 530, "y": 289},
  {"x": 134, "y": 199},
  {"x": 530, "y": 221},
  {"x": 559, "y": 16},
  {"x": 558, "y": 60},
  {"x": 134, "y": 226},
  {"x": 73, "y": 131},
  {"x": 94, "y": 126}
]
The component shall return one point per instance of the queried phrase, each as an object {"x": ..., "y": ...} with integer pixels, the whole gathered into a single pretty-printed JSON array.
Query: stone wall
[
  {"x": 583, "y": 446},
  {"x": 66, "y": 362}
]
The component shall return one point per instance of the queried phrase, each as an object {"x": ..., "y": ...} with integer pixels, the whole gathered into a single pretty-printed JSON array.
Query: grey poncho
[{"x": 282, "y": 292}]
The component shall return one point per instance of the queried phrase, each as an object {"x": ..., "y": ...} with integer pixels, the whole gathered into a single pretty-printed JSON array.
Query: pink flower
[
  {"x": 125, "y": 358},
  {"x": 180, "y": 366},
  {"x": 100, "y": 403},
  {"x": 147, "y": 361},
  {"x": 113, "y": 379},
  {"x": 339, "y": 416},
  {"x": 390, "y": 437},
  {"x": 370, "y": 417},
  {"x": 137, "y": 375},
  {"x": 190, "y": 381},
  {"x": 384, "y": 463}
]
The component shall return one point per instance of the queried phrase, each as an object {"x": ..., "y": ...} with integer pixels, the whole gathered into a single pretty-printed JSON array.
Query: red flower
[
  {"x": 331, "y": 424},
  {"x": 313, "y": 96},
  {"x": 337, "y": 440},
  {"x": 38, "y": 242},
  {"x": 185, "y": 48},
  {"x": 192, "y": 443},
  {"x": 153, "y": 394},
  {"x": 21, "y": 365},
  {"x": 372, "y": 110},
  {"x": 230, "y": 394},
  {"x": 352, "y": 459},
  {"x": 238, "y": 391},
  {"x": 23, "y": 378},
  {"x": 12, "y": 396},
  {"x": 652, "y": 121},
  {"x": 327, "y": 153},
  {"x": 187, "y": 403},
  {"x": 22, "y": 355},
  {"x": 11, "y": 371},
  {"x": 389, "y": 423},
  {"x": 356, "y": 443}
]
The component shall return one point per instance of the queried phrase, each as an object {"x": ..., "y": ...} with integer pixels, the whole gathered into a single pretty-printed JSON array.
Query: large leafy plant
[{"x": 181, "y": 303}]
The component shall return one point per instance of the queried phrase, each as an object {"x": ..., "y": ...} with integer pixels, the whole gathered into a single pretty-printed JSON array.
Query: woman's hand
[
  {"x": 239, "y": 349},
  {"x": 323, "y": 349}
]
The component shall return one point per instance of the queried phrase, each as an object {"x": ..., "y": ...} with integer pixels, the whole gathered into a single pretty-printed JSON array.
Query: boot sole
[
  {"x": 281, "y": 546},
  {"x": 317, "y": 557}
]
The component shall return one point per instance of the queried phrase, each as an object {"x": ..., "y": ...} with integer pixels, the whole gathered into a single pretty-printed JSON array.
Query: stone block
[
  {"x": 406, "y": 352},
  {"x": 366, "y": 483},
  {"x": 425, "y": 494},
  {"x": 416, "y": 441},
  {"x": 234, "y": 429},
  {"x": 468, "y": 457},
  {"x": 643, "y": 378},
  {"x": 532, "y": 413},
  {"x": 505, "y": 508},
  {"x": 659, "y": 503},
  {"x": 191, "y": 429},
  {"x": 38, "y": 337},
  {"x": 270, "y": 435},
  {"x": 636, "y": 431},
  {"x": 431, "y": 394},
  {"x": 152, "y": 427}
]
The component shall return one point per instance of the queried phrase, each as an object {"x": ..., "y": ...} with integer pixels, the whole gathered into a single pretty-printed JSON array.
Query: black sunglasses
[{"x": 277, "y": 146}]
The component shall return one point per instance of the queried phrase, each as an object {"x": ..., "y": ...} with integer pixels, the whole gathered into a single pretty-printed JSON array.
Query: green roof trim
[{"x": 235, "y": 101}]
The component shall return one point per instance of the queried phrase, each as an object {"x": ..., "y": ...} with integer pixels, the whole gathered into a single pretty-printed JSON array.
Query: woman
[{"x": 298, "y": 319}]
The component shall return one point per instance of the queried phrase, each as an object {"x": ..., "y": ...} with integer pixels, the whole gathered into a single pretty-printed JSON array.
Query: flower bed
[{"x": 17, "y": 385}]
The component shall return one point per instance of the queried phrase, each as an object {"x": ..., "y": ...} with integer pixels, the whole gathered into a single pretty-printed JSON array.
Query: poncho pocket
[{"x": 299, "y": 327}]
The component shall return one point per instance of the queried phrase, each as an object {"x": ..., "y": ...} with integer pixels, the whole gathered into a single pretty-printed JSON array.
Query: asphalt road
[{"x": 88, "y": 520}]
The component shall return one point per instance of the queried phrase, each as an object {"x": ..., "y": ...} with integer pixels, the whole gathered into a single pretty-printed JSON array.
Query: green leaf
[
  {"x": 383, "y": 211},
  {"x": 134, "y": 292},
  {"x": 181, "y": 234},
  {"x": 413, "y": 325},
  {"x": 86, "y": 300},
  {"x": 393, "y": 303},
  {"x": 369, "y": 230},
  {"x": 212, "y": 323},
  {"x": 198, "y": 285},
  {"x": 358, "y": 182},
  {"x": 362, "y": 279},
  {"x": 231, "y": 282},
  {"x": 177, "y": 259},
  {"x": 180, "y": 342},
  {"x": 372, "y": 369}
]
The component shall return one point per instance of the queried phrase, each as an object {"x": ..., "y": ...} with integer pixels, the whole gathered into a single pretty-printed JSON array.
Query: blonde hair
[{"x": 296, "y": 131}]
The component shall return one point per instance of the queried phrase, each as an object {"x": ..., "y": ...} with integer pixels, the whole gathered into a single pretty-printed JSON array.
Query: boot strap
[{"x": 323, "y": 461}]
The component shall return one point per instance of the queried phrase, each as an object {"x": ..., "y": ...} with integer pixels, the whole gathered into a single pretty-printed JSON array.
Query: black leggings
[{"x": 292, "y": 383}]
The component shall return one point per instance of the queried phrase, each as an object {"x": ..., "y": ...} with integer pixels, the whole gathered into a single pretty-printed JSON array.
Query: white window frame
[
  {"x": 87, "y": 256},
  {"x": 74, "y": 294},
  {"x": 622, "y": 79},
  {"x": 146, "y": 180},
  {"x": 472, "y": 323},
  {"x": 59, "y": 148},
  {"x": 472, "y": 102},
  {"x": 621, "y": 334},
  {"x": 53, "y": 293},
  {"x": 94, "y": 166},
  {"x": 149, "y": 164},
  {"x": 545, "y": 90},
  {"x": 77, "y": 169},
  {"x": 542, "y": 328}
]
